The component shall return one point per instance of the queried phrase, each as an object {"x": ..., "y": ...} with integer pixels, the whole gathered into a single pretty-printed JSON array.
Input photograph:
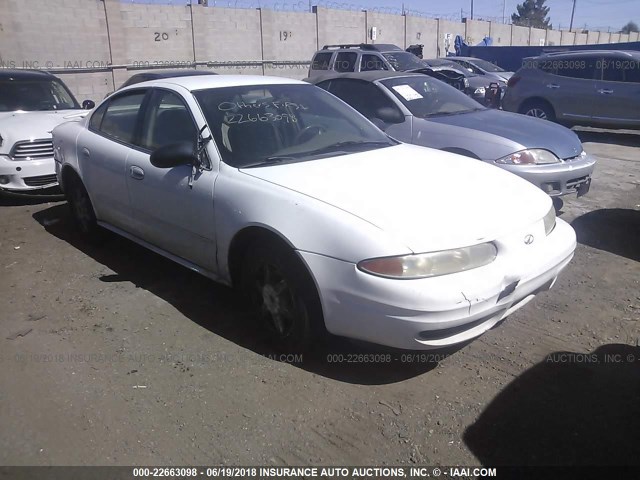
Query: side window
[
  {"x": 615, "y": 70},
  {"x": 584, "y": 68},
  {"x": 370, "y": 62},
  {"x": 167, "y": 121},
  {"x": 321, "y": 61},
  {"x": 363, "y": 96},
  {"x": 96, "y": 118},
  {"x": 345, "y": 62},
  {"x": 120, "y": 118}
]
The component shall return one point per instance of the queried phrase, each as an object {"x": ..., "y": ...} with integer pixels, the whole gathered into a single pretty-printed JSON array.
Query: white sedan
[{"x": 325, "y": 223}]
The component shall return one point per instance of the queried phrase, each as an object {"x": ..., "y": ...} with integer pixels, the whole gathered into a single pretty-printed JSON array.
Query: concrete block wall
[
  {"x": 389, "y": 28},
  {"x": 500, "y": 33},
  {"x": 567, "y": 37},
  {"x": 444, "y": 27},
  {"x": 424, "y": 31},
  {"x": 624, "y": 37},
  {"x": 340, "y": 26},
  {"x": 476, "y": 30},
  {"x": 93, "y": 45},
  {"x": 634, "y": 36},
  {"x": 519, "y": 35},
  {"x": 537, "y": 37}
]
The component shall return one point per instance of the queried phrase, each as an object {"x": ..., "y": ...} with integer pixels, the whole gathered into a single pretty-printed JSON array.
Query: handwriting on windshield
[
  {"x": 235, "y": 106},
  {"x": 239, "y": 118}
]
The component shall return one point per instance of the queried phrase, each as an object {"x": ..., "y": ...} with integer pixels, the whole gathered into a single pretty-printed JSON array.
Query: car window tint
[
  {"x": 370, "y": 62},
  {"x": 321, "y": 61},
  {"x": 96, "y": 118},
  {"x": 585, "y": 68},
  {"x": 345, "y": 62},
  {"x": 119, "y": 120},
  {"x": 363, "y": 96},
  {"x": 167, "y": 121},
  {"x": 618, "y": 70}
]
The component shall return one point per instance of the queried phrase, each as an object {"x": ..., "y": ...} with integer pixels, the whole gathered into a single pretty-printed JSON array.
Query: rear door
[
  {"x": 617, "y": 95},
  {"x": 570, "y": 84},
  {"x": 102, "y": 151}
]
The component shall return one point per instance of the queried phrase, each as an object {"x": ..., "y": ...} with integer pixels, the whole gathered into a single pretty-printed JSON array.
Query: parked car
[
  {"x": 323, "y": 221},
  {"x": 362, "y": 57},
  {"x": 481, "y": 67},
  {"x": 589, "y": 87},
  {"x": 31, "y": 103},
  {"x": 161, "y": 74},
  {"x": 416, "y": 109},
  {"x": 477, "y": 86}
]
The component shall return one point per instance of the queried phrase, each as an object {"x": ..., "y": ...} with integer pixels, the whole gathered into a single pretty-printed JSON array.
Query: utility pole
[
  {"x": 504, "y": 6},
  {"x": 573, "y": 10},
  {"x": 471, "y": 9}
]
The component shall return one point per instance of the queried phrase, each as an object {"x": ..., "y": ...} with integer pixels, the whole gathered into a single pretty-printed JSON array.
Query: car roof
[
  {"x": 632, "y": 54},
  {"x": 371, "y": 47},
  {"x": 146, "y": 76},
  {"x": 17, "y": 74},
  {"x": 199, "y": 82},
  {"x": 371, "y": 76}
]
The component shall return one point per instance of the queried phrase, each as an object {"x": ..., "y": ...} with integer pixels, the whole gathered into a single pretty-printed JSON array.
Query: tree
[
  {"x": 532, "y": 13},
  {"x": 630, "y": 27}
]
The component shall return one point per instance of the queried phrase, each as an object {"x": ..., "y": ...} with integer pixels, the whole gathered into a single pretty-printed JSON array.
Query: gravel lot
[{"x": 126, "y": 358}]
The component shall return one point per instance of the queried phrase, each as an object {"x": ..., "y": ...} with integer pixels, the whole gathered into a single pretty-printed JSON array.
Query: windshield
[
  {"x": 486, "y": 66},
  {"x": 260, "y": 125},
  {"x": 427, "y": 97},
  {"x": 402, "y": 61},
  {"x": 438, "y": 65},
  {"x": 35, "y": 95}
]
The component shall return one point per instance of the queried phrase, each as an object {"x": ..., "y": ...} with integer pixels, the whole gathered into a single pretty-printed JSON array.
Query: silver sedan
[{"x": 414, "y": 108}]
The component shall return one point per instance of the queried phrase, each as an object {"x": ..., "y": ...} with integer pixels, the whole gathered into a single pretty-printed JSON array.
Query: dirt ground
[{"x": 128, "y": 359}]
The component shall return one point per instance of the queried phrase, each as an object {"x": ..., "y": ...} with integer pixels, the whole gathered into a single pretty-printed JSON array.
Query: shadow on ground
[
  {"x": 218, "y": 309},
  {"x": 624, "y": 138},
  {"x": 571, "y": 409},
  {"x": 616, "y": 230}
]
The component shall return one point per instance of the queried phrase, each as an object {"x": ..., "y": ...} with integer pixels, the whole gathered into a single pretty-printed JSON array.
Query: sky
[{"x": 594, "y": 14}]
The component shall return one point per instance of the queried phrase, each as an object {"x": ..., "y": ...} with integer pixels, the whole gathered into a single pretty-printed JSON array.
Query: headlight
[
  {"x": 550, "y": 220},
  {"x": 479, "y": 91},
  {"x": 432, "y": 264},
  {"x": 534, "y": 156}
]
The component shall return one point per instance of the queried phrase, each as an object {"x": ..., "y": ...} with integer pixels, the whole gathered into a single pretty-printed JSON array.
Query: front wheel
[{"x": 283, "y": 296}]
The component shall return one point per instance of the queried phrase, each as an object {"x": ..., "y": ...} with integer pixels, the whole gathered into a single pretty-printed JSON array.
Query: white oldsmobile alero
[{"x": 324, "y": 222}]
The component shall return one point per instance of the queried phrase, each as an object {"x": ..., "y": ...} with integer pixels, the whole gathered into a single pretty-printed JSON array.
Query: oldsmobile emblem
[{"x": 528, "y": 239}]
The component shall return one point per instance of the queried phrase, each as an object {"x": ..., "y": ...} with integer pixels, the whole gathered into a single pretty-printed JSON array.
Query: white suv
[{"x": 32, "y": 103}]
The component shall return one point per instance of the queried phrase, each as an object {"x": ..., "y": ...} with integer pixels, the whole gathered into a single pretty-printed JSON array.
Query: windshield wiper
[
  {"x": 348, "y": 144},
  {"x": 274, "y": 160}
]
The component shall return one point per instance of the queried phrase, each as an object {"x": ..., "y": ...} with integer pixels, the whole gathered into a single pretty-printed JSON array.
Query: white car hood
[
  {"x": 427, "y": 199},
  {"x": 20, "y": 126}
]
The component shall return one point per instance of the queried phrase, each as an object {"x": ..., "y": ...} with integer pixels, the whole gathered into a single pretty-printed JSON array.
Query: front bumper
[
  {"x": 440, "y": 311},
  {"x": 27, "y": 175},
  {"x": 558, "y": 179}
]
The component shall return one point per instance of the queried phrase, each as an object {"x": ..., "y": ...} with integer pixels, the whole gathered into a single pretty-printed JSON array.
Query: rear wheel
[
  {"x": 82, "y": 209},
  {"x": 538, "y": 109},
  {"x": 283, "y": 296}
]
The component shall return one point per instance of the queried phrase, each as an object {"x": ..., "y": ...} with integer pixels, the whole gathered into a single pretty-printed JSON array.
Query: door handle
[
  {"x": 136, "y": 172},
  {"x": 605, "y": 91},
  {"x": 553, "y": 85}
]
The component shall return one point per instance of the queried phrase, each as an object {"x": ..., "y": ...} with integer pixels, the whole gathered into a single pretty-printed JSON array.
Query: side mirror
[
  {"x": 389, "y": 115},
  {"x": 88, "y": 104},
  {"x": 173, "y": 155}
]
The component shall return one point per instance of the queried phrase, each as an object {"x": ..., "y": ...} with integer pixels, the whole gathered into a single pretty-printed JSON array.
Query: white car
[
  {"x": 281, "y": 189},
  {"x": 32, "y": 103}
]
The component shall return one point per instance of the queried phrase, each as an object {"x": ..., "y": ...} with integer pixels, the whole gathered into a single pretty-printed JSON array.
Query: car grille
[
  {"x": 32, "y": 149},
  {"x": 40, "y": 180},
  {"x": 576, "y": 182}
]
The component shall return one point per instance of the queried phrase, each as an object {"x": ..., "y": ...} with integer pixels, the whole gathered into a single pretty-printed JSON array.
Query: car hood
[
  {"x": 426, "y": 199},
  {"x": 503, "y": 75},
  {"x": 529, "y": 132},
  {"x": 20, "y": 126}
]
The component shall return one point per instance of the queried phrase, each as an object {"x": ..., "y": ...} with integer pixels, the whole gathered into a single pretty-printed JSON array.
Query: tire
[
  {"x": 82, "y": 210},
  {"x": 283, "y": 297},
  {"x": 539, "y": 109}
]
